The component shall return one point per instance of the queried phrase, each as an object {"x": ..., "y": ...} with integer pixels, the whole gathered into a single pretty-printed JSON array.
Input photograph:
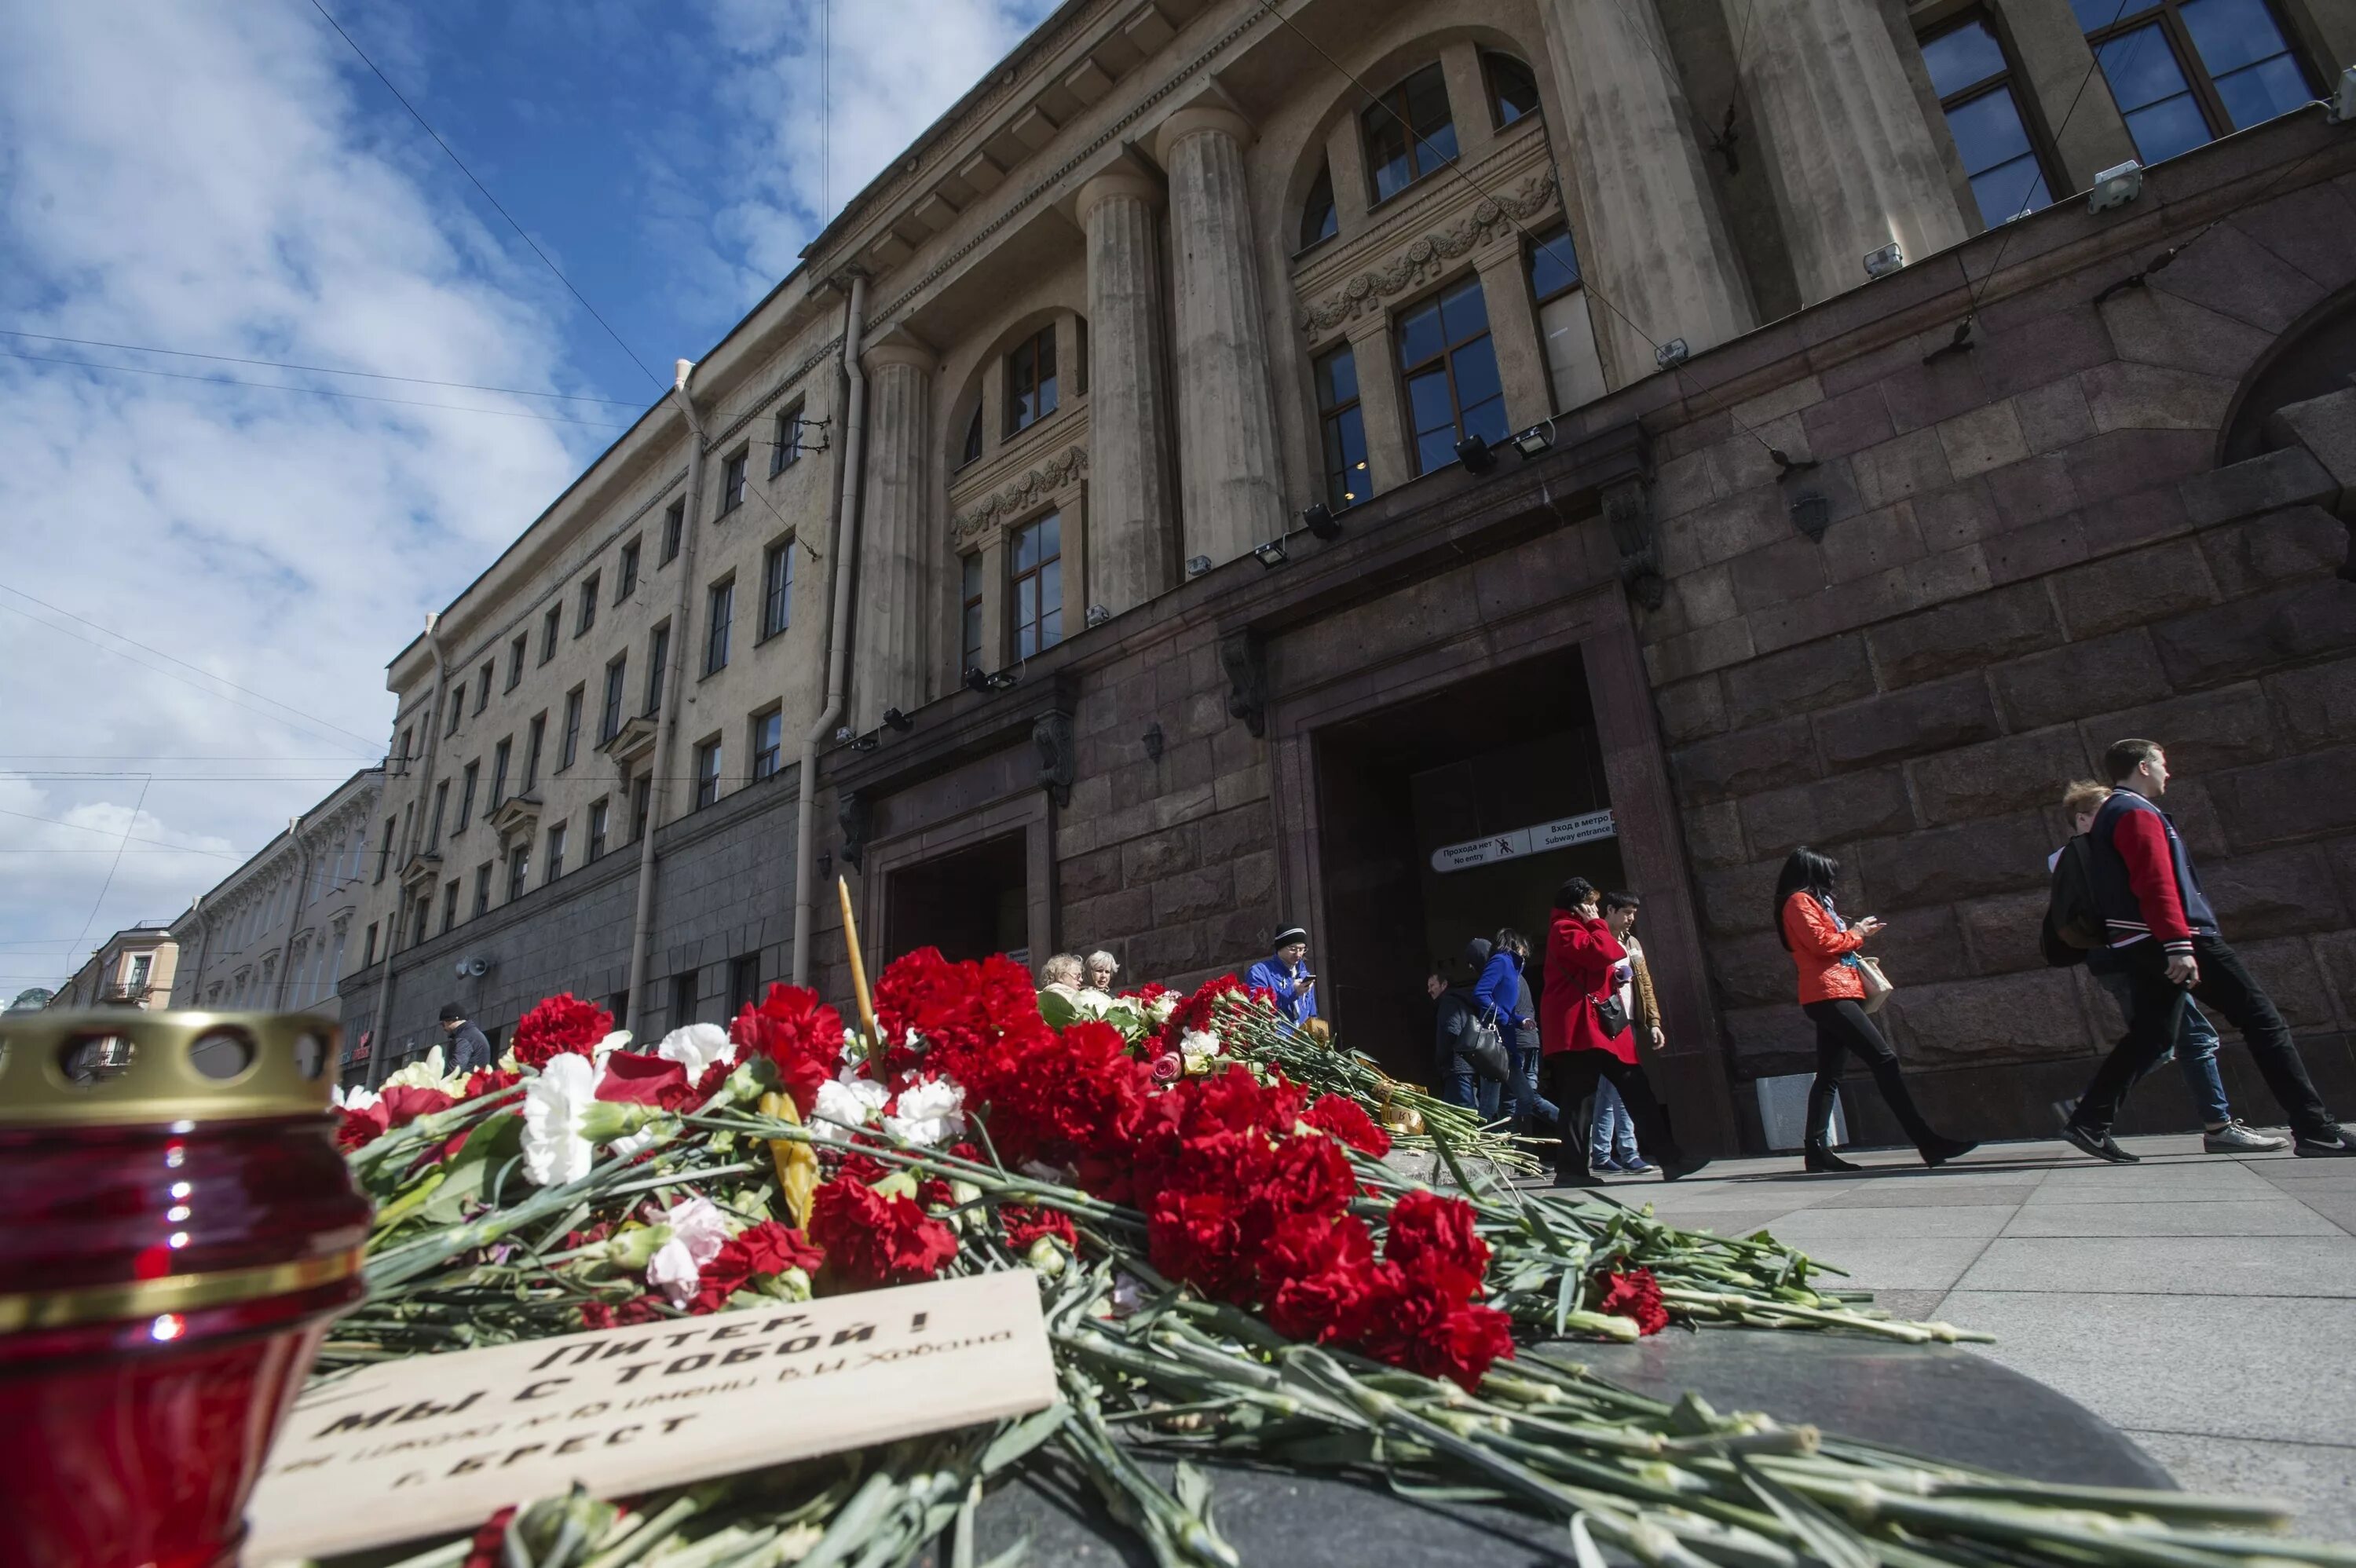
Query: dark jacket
[
  {"x": 1526, "y": 1009},
  {"x": 469, "y": 1051},
  {"x": 1460, "y": 1014},
  {"x": 2143, "y": 880}
]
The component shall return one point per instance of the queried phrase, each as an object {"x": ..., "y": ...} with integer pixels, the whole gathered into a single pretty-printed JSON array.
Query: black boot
[
  {"x": 1819, "y": 1159},
  {"x": 1937, "y": 1149}
]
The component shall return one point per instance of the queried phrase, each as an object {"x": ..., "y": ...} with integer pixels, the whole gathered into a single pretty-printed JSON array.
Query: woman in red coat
[
  {"x": 1580, "y": 951},
  {"x": 1832, "y": 991}
]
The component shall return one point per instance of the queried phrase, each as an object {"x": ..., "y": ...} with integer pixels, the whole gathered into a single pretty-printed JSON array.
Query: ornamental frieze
[
  {"x": 1424, "y": 258},
  {"x": 1018, "y": 497}
]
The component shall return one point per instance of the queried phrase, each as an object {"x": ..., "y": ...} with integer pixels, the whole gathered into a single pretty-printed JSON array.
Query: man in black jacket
[
  {"x": 1461, "y": 1013},
  {"x": 469, "y": 1051}
]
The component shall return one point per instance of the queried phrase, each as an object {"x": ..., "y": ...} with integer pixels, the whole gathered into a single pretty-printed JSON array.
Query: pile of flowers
[{"x": 1205, "y": 1197}]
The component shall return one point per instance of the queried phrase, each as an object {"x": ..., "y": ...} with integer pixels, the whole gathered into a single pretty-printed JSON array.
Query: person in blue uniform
[{"x": 1285, "y": 973}]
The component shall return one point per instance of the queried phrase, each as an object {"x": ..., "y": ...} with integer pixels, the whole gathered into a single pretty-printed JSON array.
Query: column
[
  {"x": 1389, "y": 456},
  {"x": 1128, "y": 534},
  {"x": 1653, "y": 241},
  {"x": 1231, "y": 479},
  {"x": 1514, "y": 335},
  {"x": 1853, "y": 165},
  {"x": 894, "y": 604}
]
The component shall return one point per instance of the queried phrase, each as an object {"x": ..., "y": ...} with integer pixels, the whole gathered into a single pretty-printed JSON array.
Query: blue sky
[{"x": 231, "y": 179}]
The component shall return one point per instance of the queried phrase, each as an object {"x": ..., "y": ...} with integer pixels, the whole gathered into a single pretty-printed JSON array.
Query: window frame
[
  {"x": 657, "y": 667},
  {"x": 1014, "y": 579},
  {"x": 2041, "y": 147},
  {"x": 1392, "y": 103},
  {"x": 2180, "y": 43},
  {"x": 551, "y": 628},
  {"x": 568, "y": 750},
  {"x": 1329, "y": 421},
  {"x": 708, "y": 760},
  {"x": 1497, "y": 122},
  {"x": 674, "y": 531},
  {"x": 973, "y": 584},
  {"x": 587, "y": 616},
  {"x": 601, "y": 814},
  {"x": 449, "y": 906},
  {"x": 482, "y": 688},
  {"x": 719, "y": 623},
  {"x": 733, "y": 477},
  {"x": 614, "y": 699},
  {"x": 1446, "y": 357},
  {"x": 502, "y": 756},
  {"x": 767, "y": 761},
  {"x": 626, "y": 575},
  {"x": 554, "y": 867},
  {"x": 470, "y": 777},
  {"x": 776, "y": 597},
  {"x": 516, "y": 650},
  {"x": 483, "y": 874},
  {"x": 535, "y": 743},
  {"x": 1051, "y": 382},
  {"x": 518, "y": 870},
  {"x": 975, "y": 446},
  {"x": 786, "y": 449},
  {"x": 1331, "y": 224}
]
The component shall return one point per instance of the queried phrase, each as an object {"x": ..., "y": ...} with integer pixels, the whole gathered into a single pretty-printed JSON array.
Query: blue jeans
[
  {"x": 2195, "y": 1050},
  {"x": 1467, "y": 1088},
  {"x": 1611, "y": 1138},
  {"x": 1528, "y": 1104}
]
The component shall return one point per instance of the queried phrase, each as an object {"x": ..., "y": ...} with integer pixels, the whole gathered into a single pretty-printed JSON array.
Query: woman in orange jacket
[
  {"x": 1581, "y": 949},
  {"x": 1823, "y": 948}
]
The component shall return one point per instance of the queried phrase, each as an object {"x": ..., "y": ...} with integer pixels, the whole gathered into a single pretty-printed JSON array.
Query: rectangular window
[
  {"x": 516, "y": 651},
  {"x": 1036, "y": 561},
  {"x": 555, "y": 854},
  {"x": 466, "y": 794},
  {"x": 682, "y": 999},
  {"x": 571, "y": 750},
  {"x": 609, "y": 721},
  {"x": 641, "y": 797},
  {"x": 538, "y": 732},
  {"x": 768, "y": 742},
  {"x": 424, "y": 913},
  {"x": 449, "y": 905},
  {"x": 456, "y": 708},
  {"x": 1512, "y": 88},
  {"x": 1409, "y": 131},
  {"x": 597, "y": 810},
  {"x": 2184, "y": 71},
  {"x": 499, "y": 755},
  {"x": 1347, "y": 480},
  {"x": 707, "y": 773},
  {"x": 551, "y": 625},
  {"x": 658, "y": 661},
  {"x": 384, "y": 854},
  {"x": 586, "y": 616},
  {"x": 732, "y": 479},
  {"x": 786, "y": 449},
  {"x": 1574, "y": 368},
  {"x": 718, "y": 608},
  {"x": 1972, "y": 74},
  {"x": 1031, "y": 381},
  {"x": 777, "y": 588},
  {"x": 969, "y": 616},
  {"x": 626, "y": 579},
  {"x": 483, "y": 890},
  {"x": 368, "y": 945},
  {"x": 406, "y": 752},
  {"x": 441, "y": 800},
  {"x": 674, "y": 527},
  {"x": 518, "y": 870},
  {"x": 482, "y": 688},
  {"x": 744, "y": 983},
  {"x": 1451, "y": 371}
]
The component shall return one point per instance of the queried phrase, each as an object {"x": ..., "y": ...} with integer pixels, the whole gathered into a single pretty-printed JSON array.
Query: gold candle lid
[{"x": 124, "y": 1067}]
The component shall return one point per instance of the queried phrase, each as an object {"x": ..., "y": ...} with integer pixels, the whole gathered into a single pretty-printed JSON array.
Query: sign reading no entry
[{"x": 1560, "y": 834}]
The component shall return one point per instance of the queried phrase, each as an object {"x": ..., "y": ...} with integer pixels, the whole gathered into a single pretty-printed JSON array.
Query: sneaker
[
  {"x": 2235, "y": 1137},
  {"x": 1636, "y": 1167},
  {"x": 1601, "y": 1167},
  {"x": 2102, "y": 1145},
  {"x": 2342, "y": 1147}
]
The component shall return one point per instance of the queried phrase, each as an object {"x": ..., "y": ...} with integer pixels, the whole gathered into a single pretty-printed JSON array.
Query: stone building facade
[
  {"x": 277, "y": 933},
  {"x": 1182, "y": 602},
  {"x": 135, "y": 967}
]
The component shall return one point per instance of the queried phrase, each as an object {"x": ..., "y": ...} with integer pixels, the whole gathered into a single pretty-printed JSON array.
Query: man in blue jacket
[{"x": 1285, "y": 974}]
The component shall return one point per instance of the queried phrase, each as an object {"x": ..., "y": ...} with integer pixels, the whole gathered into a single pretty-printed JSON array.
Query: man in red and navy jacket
[{"x": 2163, "y": 928}]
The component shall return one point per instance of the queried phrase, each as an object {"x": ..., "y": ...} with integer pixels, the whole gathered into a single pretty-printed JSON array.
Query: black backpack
[{"x": 2073, "y": 921}]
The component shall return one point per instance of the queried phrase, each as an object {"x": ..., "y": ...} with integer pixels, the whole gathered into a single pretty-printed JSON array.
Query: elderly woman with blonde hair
[{"x": 1062, "y": 974}]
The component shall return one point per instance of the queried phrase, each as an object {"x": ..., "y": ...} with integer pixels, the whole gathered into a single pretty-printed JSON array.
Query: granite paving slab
[{"x": 2183, "y": 1267}]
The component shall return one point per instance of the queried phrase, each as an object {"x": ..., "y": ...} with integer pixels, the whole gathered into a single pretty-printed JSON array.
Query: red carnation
[
  {"x": 358, "y": 1129},
  {"x": 1432, "y": 1238},
  {"x": 558, "y": 1025},
  {"x": 608, "y": 1315},
  {"x": 1025, "y": 1225},
  {"x": 801, "y": 1035},
  {"x": 761, "y": 1252},
  {"x": 872, "y": 1240},
  {"x": 1345, "y": 1119},
  {"x": 404, "y": 1104},
  {"x": 1324, "y": 1270},
  {"x": 1635, "y": 1293},
  {"x": 642, "y": 1078},
  {"x": 488, "y": 1549},
  {"x": 488, "y": 1081}
]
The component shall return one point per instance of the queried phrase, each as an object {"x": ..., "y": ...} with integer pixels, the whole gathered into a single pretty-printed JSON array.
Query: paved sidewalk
[{"x": 2203, "y": 1304}]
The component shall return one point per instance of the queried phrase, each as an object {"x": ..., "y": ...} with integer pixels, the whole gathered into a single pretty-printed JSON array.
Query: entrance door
[
  {"x": 1445, "y": 818},
  {"x": 971, "y": 903}
]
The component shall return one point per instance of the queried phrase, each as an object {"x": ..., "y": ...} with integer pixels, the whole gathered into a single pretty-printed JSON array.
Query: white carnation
[
  {"x": 1196, "y": 1043},
  {"x": 353, "y": 1099},
  {"x": 929, "y": 1113},
  {"x": 698, "y": 1230},
  {"x": 697, "y": 1047},
  {"x": 844, "y": 1102},
  {"x": 556, "y": 1107}
]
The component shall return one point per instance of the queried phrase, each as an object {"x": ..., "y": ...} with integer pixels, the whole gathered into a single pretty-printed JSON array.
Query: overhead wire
[
  {"x": 479, "y": 185},
  {"x": 314, "y": 370},
  {"x": 108, "y": 885},
  {"x": 109, "y": 832}
]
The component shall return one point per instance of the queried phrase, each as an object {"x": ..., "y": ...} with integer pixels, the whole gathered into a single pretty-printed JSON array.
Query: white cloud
[{"x": 201, "y": 178}]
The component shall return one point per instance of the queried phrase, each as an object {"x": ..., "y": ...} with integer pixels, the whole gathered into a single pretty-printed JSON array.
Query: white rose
[{"x": 929, "y": 1113}]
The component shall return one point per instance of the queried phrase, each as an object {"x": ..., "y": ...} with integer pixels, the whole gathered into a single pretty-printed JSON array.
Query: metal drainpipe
[
  {"x": 838, "y": 655},
  {"x": 408, "y": 843},
  {"x": 294, "y": 920},
  {"x": 674, "y": 693}
]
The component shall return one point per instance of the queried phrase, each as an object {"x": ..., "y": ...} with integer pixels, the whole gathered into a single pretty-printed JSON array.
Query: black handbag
[
  {"x": 1485, "y": 1047},
  {"x": 1610, "y": 1015}
]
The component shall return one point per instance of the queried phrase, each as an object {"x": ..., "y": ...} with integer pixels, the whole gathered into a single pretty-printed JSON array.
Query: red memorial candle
[{"x": 176, "y": 1231}]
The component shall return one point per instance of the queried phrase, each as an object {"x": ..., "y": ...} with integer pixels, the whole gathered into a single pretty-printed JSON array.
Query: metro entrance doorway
[
  {"x": 969, "y": 904},
  {"x": 1445, "y": 818}
]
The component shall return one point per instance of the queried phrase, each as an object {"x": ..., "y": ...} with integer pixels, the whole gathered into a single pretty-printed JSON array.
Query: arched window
[
  {"x": 1512, "y": 88},
  {"x": 972, "y": 453},
  {"x": 1318, "y": 221},
  {"x": 1409, "y": 131}
]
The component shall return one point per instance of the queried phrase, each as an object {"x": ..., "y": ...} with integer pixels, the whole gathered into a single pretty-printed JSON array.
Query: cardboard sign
[
  {"x": 438, "y": 1444},
  {"x": 1560, "y": 834}
]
